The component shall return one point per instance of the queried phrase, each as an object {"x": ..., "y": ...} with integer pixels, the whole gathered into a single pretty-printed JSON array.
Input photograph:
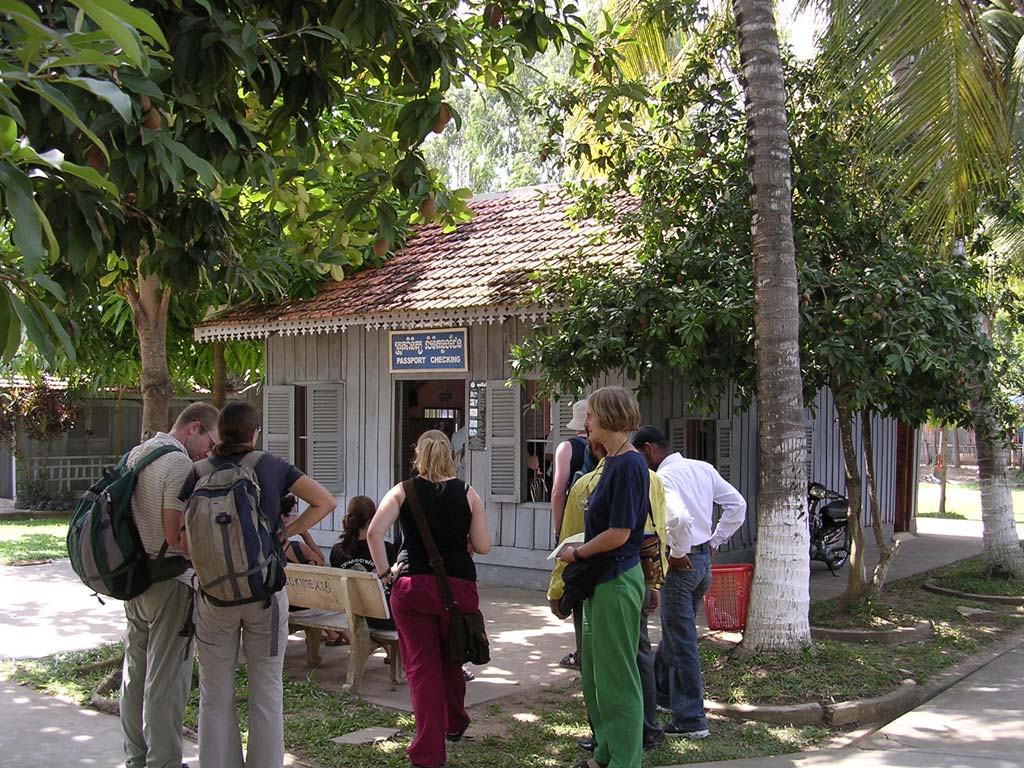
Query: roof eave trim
[{"x": 426, "y": 318}]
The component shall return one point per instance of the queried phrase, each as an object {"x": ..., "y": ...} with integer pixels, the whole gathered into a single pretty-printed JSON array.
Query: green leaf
[
  {"x": 106, "y": 90},
  {"x": 118, "y": 30},
  {"x": 35, "y": 328},
  {"x": 136, "y": 17},
  {"x": 8, "y": 133},
  {"x": 27, "y": 19},
  {"x": 66, "y": 108},
  {"x": 206, "y": 171},
  {"x": 9, "y": 327},
  {"x": 90, "y": 175},
  {"x": 49, "y": 285},
  {"x": 55, "y": 327},
  {"x": 28, "y": 234}
]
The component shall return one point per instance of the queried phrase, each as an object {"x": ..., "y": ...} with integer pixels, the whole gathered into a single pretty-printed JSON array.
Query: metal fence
[{"x": 65, "y": 474}]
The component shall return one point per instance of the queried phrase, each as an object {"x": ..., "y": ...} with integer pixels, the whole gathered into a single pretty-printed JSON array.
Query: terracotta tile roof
[{"x": 485, "y": 262}]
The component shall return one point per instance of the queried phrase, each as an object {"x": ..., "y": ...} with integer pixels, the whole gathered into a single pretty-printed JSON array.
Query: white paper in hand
[{"x": 576, "y": 538}]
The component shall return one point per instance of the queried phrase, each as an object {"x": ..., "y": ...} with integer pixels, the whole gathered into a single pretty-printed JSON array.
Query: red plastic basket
[{"x": 726, "y": 602}]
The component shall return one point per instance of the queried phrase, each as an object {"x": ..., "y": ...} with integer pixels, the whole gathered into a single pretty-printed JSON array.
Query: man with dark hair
[
  {"x": 699, "y": 487},
  {"x": 157, "y": 653}
]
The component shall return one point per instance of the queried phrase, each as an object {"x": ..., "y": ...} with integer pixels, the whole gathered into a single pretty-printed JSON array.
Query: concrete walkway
[
  {"x": 977, "y": 723},
  {"x": 45, "y": 609}
]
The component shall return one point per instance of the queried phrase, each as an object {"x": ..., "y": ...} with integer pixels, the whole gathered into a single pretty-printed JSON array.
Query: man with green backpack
[{"x": 157, "y": 649}]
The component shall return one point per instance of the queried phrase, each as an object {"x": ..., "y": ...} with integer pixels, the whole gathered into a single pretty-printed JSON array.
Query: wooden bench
[{"x": 342, "y": 599}]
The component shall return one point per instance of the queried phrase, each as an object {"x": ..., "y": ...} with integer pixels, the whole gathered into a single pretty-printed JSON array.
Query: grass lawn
[
  {"x": 33, "y": 539},
  {"x": 540, "y": 727},
  {"x": 963, "y": 499}
]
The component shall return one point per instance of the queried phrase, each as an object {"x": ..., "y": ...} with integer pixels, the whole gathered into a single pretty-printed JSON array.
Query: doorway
[
  {"x": 906, "y": 477},
  {"x": 424, "y": 404}
]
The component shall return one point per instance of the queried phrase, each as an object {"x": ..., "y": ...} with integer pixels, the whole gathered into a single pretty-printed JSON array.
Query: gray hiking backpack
[{"x": 238, "y": 558}]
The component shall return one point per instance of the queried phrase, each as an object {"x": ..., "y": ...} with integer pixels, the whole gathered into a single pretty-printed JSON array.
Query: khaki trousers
[
  {"x": 263, "y": 631},
  {"x": 156, "y": 676}
]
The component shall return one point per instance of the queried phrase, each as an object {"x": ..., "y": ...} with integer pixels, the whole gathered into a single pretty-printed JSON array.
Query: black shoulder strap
[{"x": 428, "y": 541}]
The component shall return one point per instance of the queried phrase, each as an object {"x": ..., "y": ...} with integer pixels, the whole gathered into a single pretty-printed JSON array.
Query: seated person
[
  {"x": 305, "y": 551},
  {"x": 353, "y": 552}
]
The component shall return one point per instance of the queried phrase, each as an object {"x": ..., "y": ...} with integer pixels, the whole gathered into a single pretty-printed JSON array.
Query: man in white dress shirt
[{"x": 699, "y": 487}]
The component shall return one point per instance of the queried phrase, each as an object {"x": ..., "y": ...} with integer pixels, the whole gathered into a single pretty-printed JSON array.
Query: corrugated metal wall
[
  {"x": 521, "y": 531},
  {"x": 6, "y": 471}
]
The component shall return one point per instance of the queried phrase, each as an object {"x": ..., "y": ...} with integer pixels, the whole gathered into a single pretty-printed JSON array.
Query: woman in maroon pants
[{"x": 458, "y": 524}]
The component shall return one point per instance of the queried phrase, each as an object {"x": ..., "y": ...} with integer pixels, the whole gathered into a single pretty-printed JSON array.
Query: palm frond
[{"x": 945, "y": 116}]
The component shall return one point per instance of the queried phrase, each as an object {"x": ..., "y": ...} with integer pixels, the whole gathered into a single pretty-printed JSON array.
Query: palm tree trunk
[
  {"x": 779, "y": 597},
  {"x": 1002, "y": 553}
]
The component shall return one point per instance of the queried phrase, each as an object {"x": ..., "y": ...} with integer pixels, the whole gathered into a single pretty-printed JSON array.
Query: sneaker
[
  {"x": 654, "y": 740},
  {"x": 679, "y": 733},
  {"x": 587, "y": 743},
  {"x": 570, "y": 661}
]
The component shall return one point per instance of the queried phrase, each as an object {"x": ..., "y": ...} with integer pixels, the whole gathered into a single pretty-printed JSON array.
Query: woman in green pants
[{"x": 615, "y": 518}]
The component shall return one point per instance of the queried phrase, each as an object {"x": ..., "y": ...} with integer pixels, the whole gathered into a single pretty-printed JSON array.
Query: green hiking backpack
[{"x": 104, "y": 544}]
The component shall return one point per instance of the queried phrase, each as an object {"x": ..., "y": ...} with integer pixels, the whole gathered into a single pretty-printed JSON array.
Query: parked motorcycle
[{"x": 830, "y": 532}]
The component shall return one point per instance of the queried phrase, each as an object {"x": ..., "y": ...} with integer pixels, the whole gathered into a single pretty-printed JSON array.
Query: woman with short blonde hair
[
  {"x": 457, "y": 523},
  {"x": 616, "y": 515}
]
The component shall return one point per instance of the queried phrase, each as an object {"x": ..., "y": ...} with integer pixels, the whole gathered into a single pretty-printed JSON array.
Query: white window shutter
[
  {"x": 723, "y": 448},
  {"x": 561, "y": 413},
  {"x": 325, "y": 460},
  {"x": 504, "y": 440},
  {"x": 279, "y": 421},
  {"x": 677, "y": 435}
]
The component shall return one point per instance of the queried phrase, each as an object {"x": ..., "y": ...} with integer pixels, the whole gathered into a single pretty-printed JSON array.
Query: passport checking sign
[{"x": 442, "y": 350}]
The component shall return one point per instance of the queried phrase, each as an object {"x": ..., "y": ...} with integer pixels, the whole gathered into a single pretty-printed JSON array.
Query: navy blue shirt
[
  {"x": 622, "y": 499},
  {"x": 274, "y": 474}
]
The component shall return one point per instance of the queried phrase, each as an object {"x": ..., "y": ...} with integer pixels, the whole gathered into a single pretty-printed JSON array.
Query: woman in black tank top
[{"x": 458, "y": 524}]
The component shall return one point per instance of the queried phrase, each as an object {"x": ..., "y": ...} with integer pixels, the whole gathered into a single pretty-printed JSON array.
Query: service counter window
[{"x": 523, "y": 430}]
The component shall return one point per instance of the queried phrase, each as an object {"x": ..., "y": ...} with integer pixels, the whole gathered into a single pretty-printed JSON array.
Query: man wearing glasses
[{"x": 157, "y": 655}]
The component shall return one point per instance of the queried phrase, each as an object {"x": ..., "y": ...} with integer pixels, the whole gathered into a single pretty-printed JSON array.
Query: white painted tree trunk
[
  {"x": 1002, "y": 551},
  {"x": 777, "y": 618}
]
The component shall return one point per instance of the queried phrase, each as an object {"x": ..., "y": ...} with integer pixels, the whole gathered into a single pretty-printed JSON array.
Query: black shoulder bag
[{"x": 467, "y": 634}]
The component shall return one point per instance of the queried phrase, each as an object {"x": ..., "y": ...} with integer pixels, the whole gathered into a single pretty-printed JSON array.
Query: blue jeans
[
  {"x": 681, "y": 595},
  {"x": 645, "y": 663}
]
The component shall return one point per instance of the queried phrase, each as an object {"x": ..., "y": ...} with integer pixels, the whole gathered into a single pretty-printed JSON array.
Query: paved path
[
  {"x": 45, "y": 609},
  {"x": 977, "y": 723}
]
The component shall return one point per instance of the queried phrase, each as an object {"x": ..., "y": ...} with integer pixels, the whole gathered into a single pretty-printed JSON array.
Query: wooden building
[{"x": 355, "y": 374}]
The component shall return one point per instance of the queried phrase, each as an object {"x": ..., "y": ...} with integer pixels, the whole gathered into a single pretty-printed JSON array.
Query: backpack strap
[
  {"x": 150, "y": 457},
  {"x": 251, "y": 459},
  {"x": 204, "y": 467}
]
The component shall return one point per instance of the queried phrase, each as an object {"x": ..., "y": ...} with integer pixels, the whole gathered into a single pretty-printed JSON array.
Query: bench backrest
[{"x": 336, "y": 589}]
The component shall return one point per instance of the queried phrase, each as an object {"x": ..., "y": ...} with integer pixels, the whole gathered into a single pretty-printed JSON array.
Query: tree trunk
[
  {"x": 943, "y": 475},
  {"x": 777, "y": 618},
  {"x": 1002, "y": 552},
  {"x": 886, "y": 549},
  {"x": 857, "y": 576},
  {"x": 149, "y": 305},
  {"x": 218, "y": 387}
]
